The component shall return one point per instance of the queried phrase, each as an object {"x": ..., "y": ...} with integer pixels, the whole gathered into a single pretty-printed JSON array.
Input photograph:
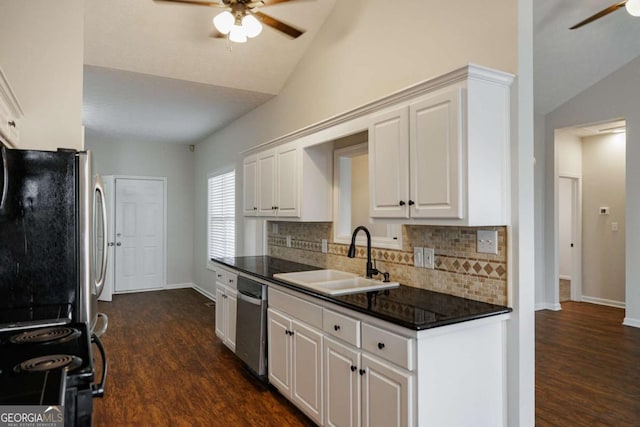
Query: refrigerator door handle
[
  {"x": 4, "y": 178},
  {"x": 99, "y": 188}
]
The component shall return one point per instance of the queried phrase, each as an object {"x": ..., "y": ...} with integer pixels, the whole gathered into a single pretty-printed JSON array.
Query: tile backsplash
[{"x": 459, "y": 269}]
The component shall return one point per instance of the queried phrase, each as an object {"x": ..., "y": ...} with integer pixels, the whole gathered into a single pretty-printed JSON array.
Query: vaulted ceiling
[{"x": 154, "y": 73}]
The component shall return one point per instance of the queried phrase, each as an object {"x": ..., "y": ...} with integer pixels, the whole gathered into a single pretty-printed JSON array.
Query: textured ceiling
[
  {"x": 125, "y": 106},
  {"x": 153, "y": 73},
  {"x": 566, "y": 62}
]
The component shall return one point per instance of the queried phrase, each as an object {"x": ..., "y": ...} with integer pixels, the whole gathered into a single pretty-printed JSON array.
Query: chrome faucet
[{"x": 371, "y": 270}]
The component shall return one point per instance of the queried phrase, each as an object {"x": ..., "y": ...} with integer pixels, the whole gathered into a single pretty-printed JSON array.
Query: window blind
[{"x": 221, "y": 215}]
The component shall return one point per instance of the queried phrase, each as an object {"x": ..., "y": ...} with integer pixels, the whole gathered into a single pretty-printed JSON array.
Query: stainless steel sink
[{"x": 334, "y": 282}]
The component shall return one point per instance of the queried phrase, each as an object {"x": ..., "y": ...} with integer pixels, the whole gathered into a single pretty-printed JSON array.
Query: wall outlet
[
  {"x": 288, "y": 241},
  {"x": 418, "y": 257},
  {"x": 488, "y": 241},
  {"x": 274, "y": 228},
  {"x": 325, "y": 246},
  {"x": 429, "y": 258},
  {"x": 604, "y": 210}
]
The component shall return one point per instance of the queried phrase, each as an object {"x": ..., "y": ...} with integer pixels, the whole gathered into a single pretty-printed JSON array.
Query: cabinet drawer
[
  {"x": 231, "y": 280},
  {"x": 341, "y": 326},
  {"x": 221, "y": 276},
  {"x": 296, "y": 307},
  {"x": 387, "y": 345}
]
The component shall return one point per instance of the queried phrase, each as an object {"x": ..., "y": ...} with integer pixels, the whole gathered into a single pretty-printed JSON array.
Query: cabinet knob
[
  {"x": 336, "y": 327},
  {"x": 219, "y": 276},
  {"x": 230, "y": 280},
  {"x": 362, "y": 372},
  {"x": 12, "y": 123},
  {"x": 255, "y": 208},
  {"x": 401, "y": 203},
  {"x": 411, "y": 203},
  {"x": 354, "y": 368},
  {"x": 380, "y": 345}
]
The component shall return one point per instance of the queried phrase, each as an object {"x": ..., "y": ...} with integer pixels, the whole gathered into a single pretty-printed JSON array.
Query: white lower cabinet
[
  {"x": 363, "y": 390},
  {"x": 346, "y": 370},
  {"x": 342, "y": 384},
  {"x": 226, "y": 308},
  {"x": 295, "y": 362},
  {"x": 387, "y": 394}
]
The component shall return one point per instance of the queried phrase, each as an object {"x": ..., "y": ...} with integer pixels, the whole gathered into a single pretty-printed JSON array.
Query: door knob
[{"x": 119, "y": 244}]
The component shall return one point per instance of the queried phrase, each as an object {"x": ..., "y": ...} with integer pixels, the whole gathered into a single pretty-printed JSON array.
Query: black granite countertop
[{"x": 406, "y": 306}]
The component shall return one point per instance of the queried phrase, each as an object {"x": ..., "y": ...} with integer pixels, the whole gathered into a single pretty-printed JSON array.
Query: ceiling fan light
[
  {"x": 238, "y": 34},
  {"x": 224, "y": 21},
  {"x": 633, "y": 7},
  {"x": 252, "y": 26}
]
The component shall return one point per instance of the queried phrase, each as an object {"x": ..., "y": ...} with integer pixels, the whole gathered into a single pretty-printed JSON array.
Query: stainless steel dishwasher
[{"x": 251, "y": 325}]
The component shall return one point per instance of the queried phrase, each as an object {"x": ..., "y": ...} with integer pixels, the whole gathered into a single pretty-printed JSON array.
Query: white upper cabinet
[
  {"x": 266, "y": 183},
  {"x": 435, "y": 145},
  {"x": 10, "y": 113},
  {"x": 287, "y": 181},
  {"x": 441, "y": 158},
  {"x": 291, "y": 182},
  {"x": 388, "y": 164},
  {"x": 250, "y": 180}
]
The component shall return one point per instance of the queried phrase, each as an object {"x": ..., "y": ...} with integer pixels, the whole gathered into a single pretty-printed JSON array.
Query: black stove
[{"x": 51, "y": 366}]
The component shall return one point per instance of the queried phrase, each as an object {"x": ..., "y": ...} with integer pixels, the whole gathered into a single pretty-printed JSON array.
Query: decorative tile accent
[{"x": 459, "y": 269}]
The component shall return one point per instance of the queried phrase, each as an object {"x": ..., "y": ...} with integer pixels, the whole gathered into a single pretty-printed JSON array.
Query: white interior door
[
  {"x": 565, "y": 240},
  {"x": 569, "y": 234},
  {"x": 139, "y": 228}
]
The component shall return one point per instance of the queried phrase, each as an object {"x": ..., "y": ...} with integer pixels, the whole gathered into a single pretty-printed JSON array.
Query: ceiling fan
[
  {"x": 243, "y": 20},
  {"x": 632, "y": 6}
]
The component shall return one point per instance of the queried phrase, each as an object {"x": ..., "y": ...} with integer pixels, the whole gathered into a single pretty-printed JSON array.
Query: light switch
[
  {"x": 418, "y": 258},
  {"x": 429, "y": 258},
  {"x": 488, "y": 241},
  {"x": 614, "y": 226}
]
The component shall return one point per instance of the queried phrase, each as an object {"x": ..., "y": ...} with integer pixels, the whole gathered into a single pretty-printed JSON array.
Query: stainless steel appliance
[
  {"x": 251, "y": 325},
  {"x": 52, "y": 266}
]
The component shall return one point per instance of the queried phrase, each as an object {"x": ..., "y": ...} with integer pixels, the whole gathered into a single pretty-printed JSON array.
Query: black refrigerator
[{"x": 52, "y": 269}]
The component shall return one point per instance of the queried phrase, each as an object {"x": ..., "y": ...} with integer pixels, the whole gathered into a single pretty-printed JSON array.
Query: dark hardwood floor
[
  {"x": 587, "y": 367},
  {"x": 167, "y": 368}
]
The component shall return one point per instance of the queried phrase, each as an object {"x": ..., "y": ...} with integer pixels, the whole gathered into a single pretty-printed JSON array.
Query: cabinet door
[
  {"x": 436, "y": 156},
  {"x": 231, "y": 310},
  {"x": 386, "y": 394},
  {"x": 306, "y": 387},
  {"x": 279, "y": 351},
  {"x": 389, "y": 165},
  {"x": 341, "y": 385},
  {"x": 267, "y": 183},
  {"x": 221, "y": 323},
  {"x": 249, "y": 189},
  {"x": 287, "y": 183}
]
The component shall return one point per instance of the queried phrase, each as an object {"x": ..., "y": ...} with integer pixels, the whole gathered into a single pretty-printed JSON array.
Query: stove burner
[
  {"x": 46, "y": 335},
  {"x": 49, "y": 362}
]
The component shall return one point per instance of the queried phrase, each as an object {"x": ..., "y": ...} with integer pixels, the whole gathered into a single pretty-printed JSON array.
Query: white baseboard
[
  {"x": 204, "y": 292},
  {"x": 602, "y": 301},
  {"x": 179, "y": 286},
  {"x": 628, "y": 321},
  {"x": 548, "y": 306}
]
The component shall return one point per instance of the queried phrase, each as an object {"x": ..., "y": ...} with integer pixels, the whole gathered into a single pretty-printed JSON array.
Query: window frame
[{"x": 224, "y": 171}]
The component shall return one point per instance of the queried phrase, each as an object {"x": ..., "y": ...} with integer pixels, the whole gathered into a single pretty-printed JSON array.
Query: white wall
[
  {"x": 41, "y": 53},
  {"x": 569, "y": 153},
  {"x": 616, "y": 96},
  {"x": 603, "y": 161},
  {"x": 539, "y": 202},
  {"x": 173, "y": 161}
]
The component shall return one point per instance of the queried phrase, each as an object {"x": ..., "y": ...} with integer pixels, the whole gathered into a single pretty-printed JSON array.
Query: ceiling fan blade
[
  {"x": 272, "y": 2},
  {"x": 199, "y": 3},
  {"x": 279, "y": 25},
  {"x": 600, "y": 14}
]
